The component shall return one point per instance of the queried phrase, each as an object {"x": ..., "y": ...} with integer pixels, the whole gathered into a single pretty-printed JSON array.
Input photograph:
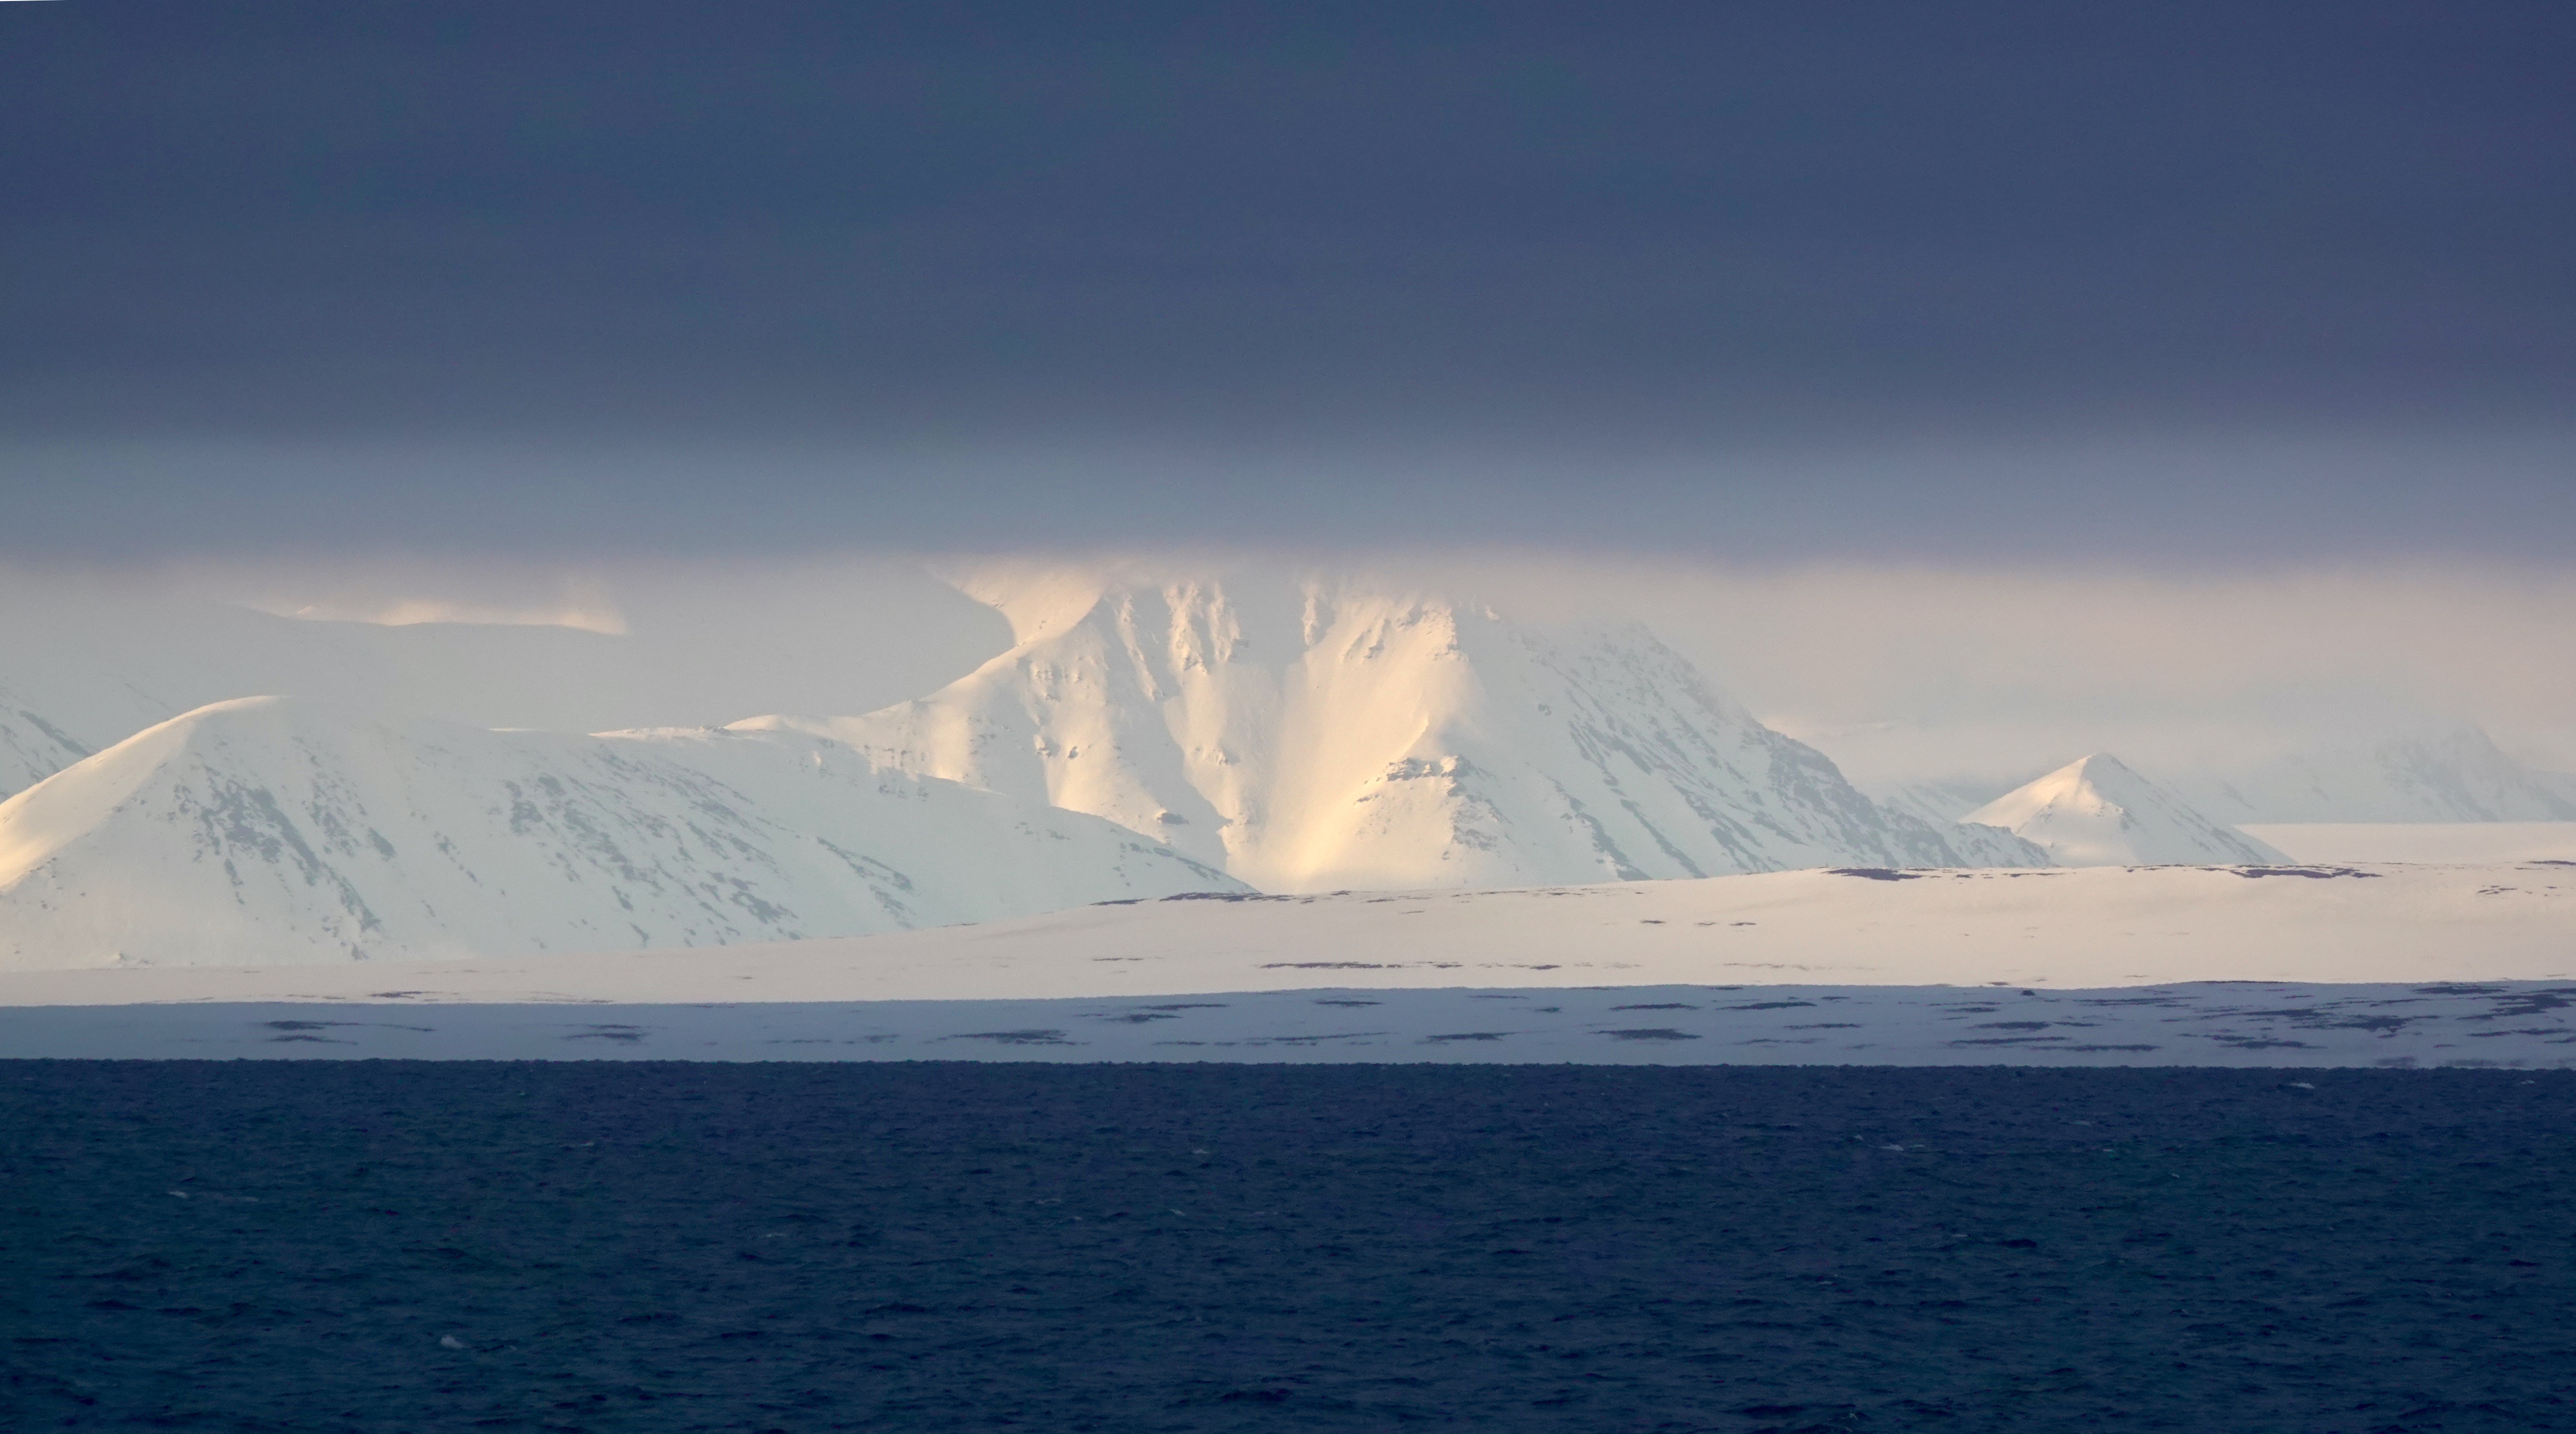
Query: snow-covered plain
[{"x": 2163, "y": 965}]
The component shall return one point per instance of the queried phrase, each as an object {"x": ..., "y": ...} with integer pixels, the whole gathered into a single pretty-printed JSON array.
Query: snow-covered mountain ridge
[
  {"x": 266, "y": 830},
  {"x": 1314, "y": 735}
]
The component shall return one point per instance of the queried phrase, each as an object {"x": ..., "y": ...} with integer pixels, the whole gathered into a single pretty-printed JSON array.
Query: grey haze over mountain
[
  {"x": 2282, "y": 719},
  {"x": 2449, "y": 776}
]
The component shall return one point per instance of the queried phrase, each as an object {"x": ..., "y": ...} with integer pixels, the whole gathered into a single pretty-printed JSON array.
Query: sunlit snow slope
[
  {"x": 269, "y": 831},
  {"x": 1314, "y": 735},
  {"x": 2098, "y": 812}
]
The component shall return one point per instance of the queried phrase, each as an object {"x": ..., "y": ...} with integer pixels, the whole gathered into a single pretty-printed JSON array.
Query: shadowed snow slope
[
  {"x": 2097, "y": 812},
  {"x": 1311, "y": 736},
  {"x": 266, "y": 831}
]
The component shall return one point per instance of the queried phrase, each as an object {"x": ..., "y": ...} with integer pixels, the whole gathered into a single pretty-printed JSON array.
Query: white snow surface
[
  {"x": 2096, "y": 811},
  {"x": 272, "y": 831},
  {"x": 2094, "y": 927},
  {"x": 1315, "y": 734}
]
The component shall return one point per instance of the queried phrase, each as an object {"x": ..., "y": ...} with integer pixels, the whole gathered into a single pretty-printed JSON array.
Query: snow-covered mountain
[
  {"x": 2454, "y": 776},
  {"x": 1311, "y": 735},
  {"x": 2098, "y": 812},
  {"x": 267, "y": 830}
]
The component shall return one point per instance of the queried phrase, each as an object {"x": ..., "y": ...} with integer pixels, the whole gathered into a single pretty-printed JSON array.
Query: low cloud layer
[{"x": 2016, "y": 284}]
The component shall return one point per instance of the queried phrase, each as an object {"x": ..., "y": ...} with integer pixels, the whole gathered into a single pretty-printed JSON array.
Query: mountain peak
[
  {"x": 1312, "y": 732},
  {"x": 2099, "y": 811}
]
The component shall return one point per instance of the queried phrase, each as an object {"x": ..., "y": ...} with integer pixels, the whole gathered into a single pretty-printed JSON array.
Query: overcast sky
[{"x": 2171, "y": 284}]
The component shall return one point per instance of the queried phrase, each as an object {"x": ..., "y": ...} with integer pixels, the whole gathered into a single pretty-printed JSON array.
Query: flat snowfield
[
  {"x": 2063, "y": 928},
  {"x": 2328, "y": 966}
]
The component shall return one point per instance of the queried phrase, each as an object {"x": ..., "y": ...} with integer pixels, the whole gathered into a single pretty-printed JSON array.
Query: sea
[{"x": 591, "y": 1245}]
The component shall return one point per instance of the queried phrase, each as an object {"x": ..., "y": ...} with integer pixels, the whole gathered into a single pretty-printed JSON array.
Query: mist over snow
[{"x": 1939, "y": 688}]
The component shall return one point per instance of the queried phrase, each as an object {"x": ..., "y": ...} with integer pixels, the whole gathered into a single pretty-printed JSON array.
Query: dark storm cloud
[{"x": 338, "y": 268}]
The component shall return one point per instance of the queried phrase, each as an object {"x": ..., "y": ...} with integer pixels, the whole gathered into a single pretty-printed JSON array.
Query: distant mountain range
[
  {"x": 2457, "y": 775},
  {"x": 2451, "y": 775},
  {"x": 1144, "y": 735}
]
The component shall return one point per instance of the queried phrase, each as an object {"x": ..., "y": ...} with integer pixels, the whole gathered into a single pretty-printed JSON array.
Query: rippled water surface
[{"x": 637, "y": 1246}]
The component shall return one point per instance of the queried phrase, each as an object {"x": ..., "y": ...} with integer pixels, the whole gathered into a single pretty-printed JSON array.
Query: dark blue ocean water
[{"x": 598, "y": 1246}]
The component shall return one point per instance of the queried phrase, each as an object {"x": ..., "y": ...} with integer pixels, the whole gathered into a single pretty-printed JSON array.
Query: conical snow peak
[{"x": 2098, "y": 811}]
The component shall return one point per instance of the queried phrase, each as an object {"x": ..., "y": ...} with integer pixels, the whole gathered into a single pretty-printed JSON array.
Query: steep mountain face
[
  {"x": 2098, "y": 812},
  {"x": 2455, "y": 776},
  {"x": 1313, "y": 736},
  {"x": 267, "y": 831}
]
